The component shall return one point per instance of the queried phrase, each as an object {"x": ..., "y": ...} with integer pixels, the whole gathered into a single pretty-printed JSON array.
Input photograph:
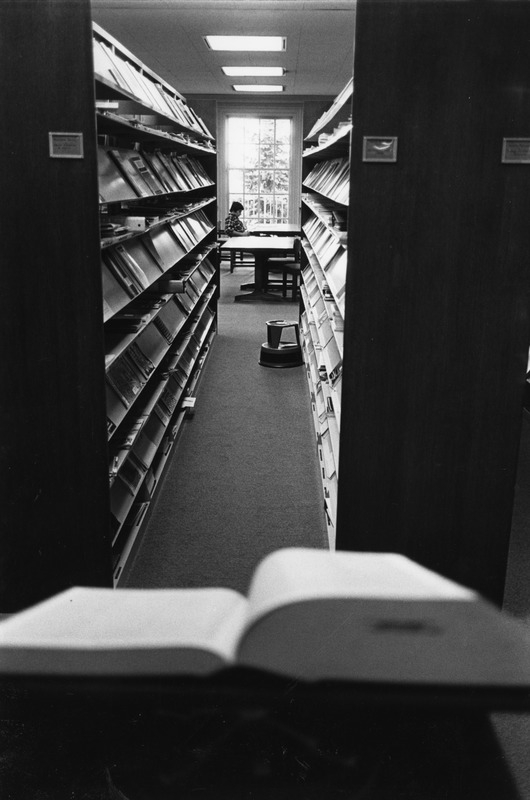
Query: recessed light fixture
[
  {"x": 250, "y": 43},
  {"x": 254, "y": 72},
  {"x": 258, "y": 87}
]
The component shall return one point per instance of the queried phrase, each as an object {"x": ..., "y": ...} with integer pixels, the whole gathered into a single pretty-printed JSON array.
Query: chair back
[{"x": 297, "y": 249}]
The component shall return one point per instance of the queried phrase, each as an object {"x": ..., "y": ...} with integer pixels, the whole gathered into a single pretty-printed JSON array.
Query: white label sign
[
  {"x": 516, "y": 151},
  {"x": 65, "y": 145},
  {"x": 380, "y": 148}
]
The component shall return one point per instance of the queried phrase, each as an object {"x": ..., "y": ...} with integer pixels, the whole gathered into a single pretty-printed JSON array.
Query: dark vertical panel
[
  {"x": 438, "y": 292},
  {"x": 53, "y": 443}
]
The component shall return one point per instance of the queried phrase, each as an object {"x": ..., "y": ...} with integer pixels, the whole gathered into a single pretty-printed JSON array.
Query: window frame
[{"x": 292, "y": 111}]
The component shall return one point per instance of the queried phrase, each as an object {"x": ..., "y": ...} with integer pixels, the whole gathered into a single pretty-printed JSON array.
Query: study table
[
  {"x": 261, "y": 247},
  {"x": 247, "y": 738}
]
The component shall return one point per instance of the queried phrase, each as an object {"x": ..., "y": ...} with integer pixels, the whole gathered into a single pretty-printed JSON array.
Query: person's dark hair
[{"x": 237, "y": 206}]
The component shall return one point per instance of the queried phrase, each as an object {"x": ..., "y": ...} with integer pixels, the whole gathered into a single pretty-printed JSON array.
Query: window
[{"x": 260, "y": 154}]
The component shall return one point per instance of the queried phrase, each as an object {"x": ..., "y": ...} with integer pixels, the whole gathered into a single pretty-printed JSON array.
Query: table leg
[{"x": 259, "y": 293}]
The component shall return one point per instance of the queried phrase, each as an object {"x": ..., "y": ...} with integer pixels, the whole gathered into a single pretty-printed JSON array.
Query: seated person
[{"x": 233, "y": 225}]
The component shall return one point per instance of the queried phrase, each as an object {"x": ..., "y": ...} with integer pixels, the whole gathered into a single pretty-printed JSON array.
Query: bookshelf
[
  {"x": 53, "y": 460},
  {"x": 325, "y": 188},
  {"x": 157, "y": 171},
  {"x": 436, "y": 324}
]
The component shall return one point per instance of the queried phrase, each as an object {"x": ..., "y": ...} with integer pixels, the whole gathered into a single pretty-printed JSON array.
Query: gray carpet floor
[{"x": 244, "y": 478}]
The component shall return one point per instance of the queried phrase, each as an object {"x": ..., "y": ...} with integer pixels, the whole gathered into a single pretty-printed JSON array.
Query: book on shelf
[
  {"x": 135, "y": 80},
  {"x": 207, "y": 268},
  {"x": 128, "y": 321},
  {"x": 367, "y": 619},
  {"x": 102, "y": 63},
  {"x": 126, "y": 440},
  {"x": 143, "y": 258},
  {"x": 172, "y": 285},
  {"x": 122, "y": 254},
  {"x": 116, "y": 68},
  {"x": 198, "y": 282},
  {"x": 185, "y": 302},
  {"x": 149, "y": 439},
  {"x": 146, "y": 448},
  {"x": 192, "y": 170},
  {"x": 152, "y": 343},
  {"x": 170, "y": 396},
  {"x": 112, "y": 185},
  {"x": 336, "y": 275},
  {"x": 197, "y": 226},
  {"x": 202, "y": 126},
  {"x": 124, "y": 161},
  {"x": 182, "y": 233},
  {"x": 116, "y": 409},
  {"x": 121, "y": 502},
  {"x": 161, "y": 170},
  {"x": 164, "y": 331},
  {"x": 164, "y": 101},
  {"x": 143, "y": 169},
  {"x": 173, "y": 317},
  {"x": 186, "y": 176},
  {"x": 115, "y": 296},
  {"x": 132, "y": 473},
  {"x": 142, "y": 363},
  {"x": 125, "y": 378},
  {"x": 170, "y": 166},
  {"x": 329, "y": 115},
  {"x": 166, "y": 247}
]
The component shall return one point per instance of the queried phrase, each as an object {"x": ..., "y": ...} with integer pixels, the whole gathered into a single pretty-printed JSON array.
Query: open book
[{"x": 310, "y": 615}]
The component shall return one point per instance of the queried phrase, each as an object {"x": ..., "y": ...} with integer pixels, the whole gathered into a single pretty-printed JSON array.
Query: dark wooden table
[{"x": 245, "y": 739}]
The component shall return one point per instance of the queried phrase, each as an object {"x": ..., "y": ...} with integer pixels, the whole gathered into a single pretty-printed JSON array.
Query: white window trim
[{"x": 292, "y": 111}]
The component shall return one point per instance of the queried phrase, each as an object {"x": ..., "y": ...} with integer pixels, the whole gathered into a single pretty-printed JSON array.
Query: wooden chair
[{"x": 287, "y": 266}]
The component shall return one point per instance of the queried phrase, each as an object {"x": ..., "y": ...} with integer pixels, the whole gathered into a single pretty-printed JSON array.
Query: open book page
[
  {"x": 296, "y": 573},
  {"x": 379, "y": 618},
  {"x": 124, "y": 631}
]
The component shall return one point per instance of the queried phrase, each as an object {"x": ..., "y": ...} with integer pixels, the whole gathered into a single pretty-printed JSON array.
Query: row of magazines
[
  {"x": 331, "y": 178},
  {"x": 126, "y": 75},
  {"x": 134, "y": 265},
  {"x": 132, "y": 370},
  {"x": 154, "y": 429},
  {"x": 128, "y": 174}
]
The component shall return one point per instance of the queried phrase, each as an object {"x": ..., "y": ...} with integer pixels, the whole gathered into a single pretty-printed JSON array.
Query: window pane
[
  {"x": 281, "y": 181},
  {"x": 251, "y": 127},
  {"x": 250, "y": 153},
  {"x": 251, "y": 206},
  {"x": 282, "y": 156},
  {"x": 265, "y": 182},
  {"x": 267, "y": 129},
  {"x": 235, "y": 181},
  {"x": 283, "y": 130},
  {"x": 251, "y": 180}
]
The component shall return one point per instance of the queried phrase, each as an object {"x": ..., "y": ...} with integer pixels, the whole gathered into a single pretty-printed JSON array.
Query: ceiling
[{"x": 167, "y": 35}]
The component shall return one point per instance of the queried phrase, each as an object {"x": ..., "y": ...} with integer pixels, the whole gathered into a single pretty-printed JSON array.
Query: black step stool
[{"x": 275, "y": 352}]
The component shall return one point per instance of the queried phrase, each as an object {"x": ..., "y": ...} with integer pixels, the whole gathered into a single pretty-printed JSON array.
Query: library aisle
[{"x": 244, "y": 479}]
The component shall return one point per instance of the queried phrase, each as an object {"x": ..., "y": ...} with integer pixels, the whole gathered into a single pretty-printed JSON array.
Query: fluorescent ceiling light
[
  {"x": 258, "y": 87},
  {"x": 253, "y": 43},
  {"x": 252, "y": 72}
]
